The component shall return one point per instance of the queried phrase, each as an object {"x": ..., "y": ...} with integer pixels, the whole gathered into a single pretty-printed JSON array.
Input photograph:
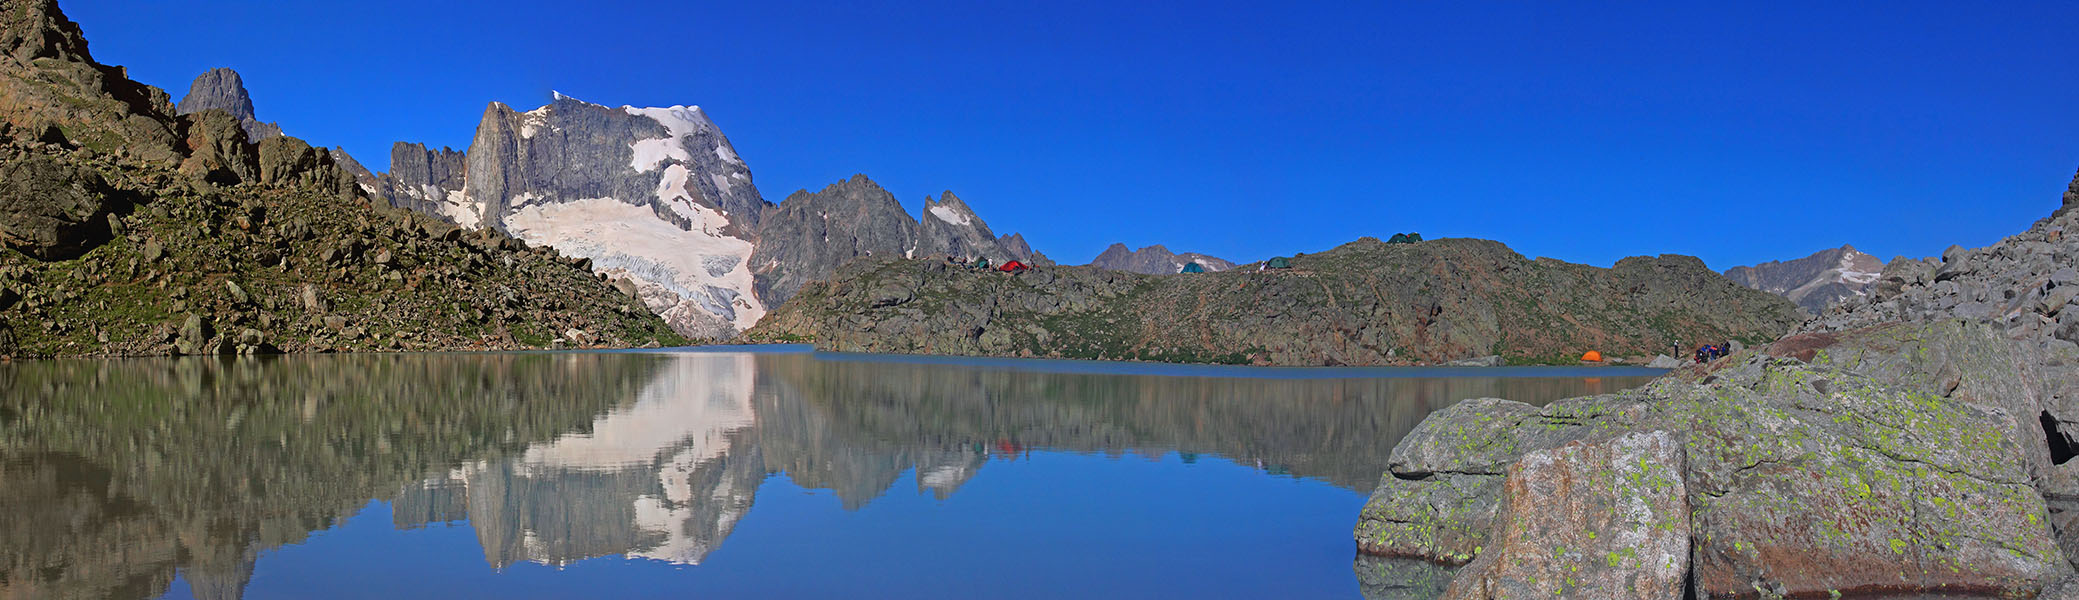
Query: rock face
[
  {"x": 222, "y": 89},
  {"x": 54, "y": 92},
  {"x": 1813, "y": 282},
  {"x": 1154, "y": 260},
  {"x": 1912, "y": 442},
  {"x": 1365, "y": 303},
  {"x": 367, "y": 179},
  {"x": 53, "y": 210},
  {"x": 808, "y": 236},
  {"x": 653, "y": 196},
  {"x": 1607, "y": 518},
  {"x": 948, "y": 228},
  {"x": 429, "y": 181},
  {"x": 207, "y": 244}
]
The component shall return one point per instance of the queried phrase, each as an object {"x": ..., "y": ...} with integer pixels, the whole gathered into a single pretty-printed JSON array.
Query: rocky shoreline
[{"x": 1910, "y": 443}]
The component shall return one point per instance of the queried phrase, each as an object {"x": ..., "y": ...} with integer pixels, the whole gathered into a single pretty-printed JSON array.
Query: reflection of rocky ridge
[
  {"x": 258, "y": 454},
  {"x": 665, "y": 477},
  {"x": 113, "y": 475}
]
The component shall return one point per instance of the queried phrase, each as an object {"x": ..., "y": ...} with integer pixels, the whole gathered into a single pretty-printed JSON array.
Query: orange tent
[{"x": 1592, "y": 356}]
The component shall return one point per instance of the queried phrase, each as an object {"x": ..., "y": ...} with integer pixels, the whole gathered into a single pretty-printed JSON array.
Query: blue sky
[{"x": 1738, "y": 132}]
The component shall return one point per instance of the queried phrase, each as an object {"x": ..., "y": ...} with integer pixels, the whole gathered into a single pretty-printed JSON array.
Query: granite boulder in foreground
[{"x": 1911, "y": 443}]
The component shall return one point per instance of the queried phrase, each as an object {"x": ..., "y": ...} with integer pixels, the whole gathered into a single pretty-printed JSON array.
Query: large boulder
[
  {"x": 1874, "y": 462},
  {"x": 53, "y": 210},
  {"x": 1437, "y": 501},
  {"x": 1608, "y": 518},
  {"x": 1806, "y": 479},
  {"x": 218, "y": 150}
]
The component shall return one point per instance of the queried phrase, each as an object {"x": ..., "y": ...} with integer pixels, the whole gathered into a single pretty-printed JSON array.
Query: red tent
[{"x": 1013, "y": 267}]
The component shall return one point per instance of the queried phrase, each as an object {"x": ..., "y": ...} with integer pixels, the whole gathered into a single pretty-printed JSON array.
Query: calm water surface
[{"x": 702, "y": 474}]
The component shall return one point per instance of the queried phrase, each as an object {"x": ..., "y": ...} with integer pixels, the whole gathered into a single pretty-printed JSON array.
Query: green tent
[
  {"x": 1398, "y": 238},
  {"x": 980, "y": 263},
  {"x": 1192, "y": 268},
  {"x": 1278, "y": 263},
  {"x": 1414, "y": 237}
]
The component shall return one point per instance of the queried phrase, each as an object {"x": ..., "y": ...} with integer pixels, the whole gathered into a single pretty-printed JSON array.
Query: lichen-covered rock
[
  {"x": 1382, "y": 578},
  {"x": 1606, "y": 518},
  {"x": 1883, "y": 461},
  {"x": 1437, "y": 501},
  {"x": 1443, "y": 518},
  {"x": 51, "y": 209},
  {"x": 1810, "y": 478}
]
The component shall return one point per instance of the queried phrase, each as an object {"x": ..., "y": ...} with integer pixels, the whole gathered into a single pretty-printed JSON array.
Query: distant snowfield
[
  {"x": 703, "y": 271},
  {"x": 949, "y": 215}
]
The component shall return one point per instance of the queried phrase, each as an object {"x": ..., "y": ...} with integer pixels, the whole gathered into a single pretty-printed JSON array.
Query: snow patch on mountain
[
  {"x": 680, "y": 121},
  {"x": 951, "y": 215},
  {"x": 704, "y": 275}
]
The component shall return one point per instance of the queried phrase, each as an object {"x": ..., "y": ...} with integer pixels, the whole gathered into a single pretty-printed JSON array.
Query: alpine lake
[{"x": 708, "y": 473}]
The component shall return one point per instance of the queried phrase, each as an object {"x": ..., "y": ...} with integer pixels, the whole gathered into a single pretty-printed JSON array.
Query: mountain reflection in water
[{"x": 117, "y": 475}]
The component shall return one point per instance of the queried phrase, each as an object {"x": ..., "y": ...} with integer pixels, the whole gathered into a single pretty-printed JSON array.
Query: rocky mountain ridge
[
  {"x": 1813, "y": 282},
  {"x": 810, "y": 236},
  {"x": 658, "y": 200},
  {"x": 1365, "y": 303},
  {"x": 1154, "y": 260}
]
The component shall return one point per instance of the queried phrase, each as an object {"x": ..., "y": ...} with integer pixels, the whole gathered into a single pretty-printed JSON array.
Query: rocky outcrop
[
  {"x": 222, "y": 89},
  {"x": 948, "y": 228},
  {"x": 1912, "y": 442},
  {"x": 367, "y": 179},
  {"x": 430, "y": 182},
  {"x": 52, "y": 209},
  {"x": 1154, "y": 260},
  {"x": 52, "y": 91},
  {"x": 1365, "y": 303},
  {"x": 1813, "y": 282},
  {"x": 808, "y": 236}
]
